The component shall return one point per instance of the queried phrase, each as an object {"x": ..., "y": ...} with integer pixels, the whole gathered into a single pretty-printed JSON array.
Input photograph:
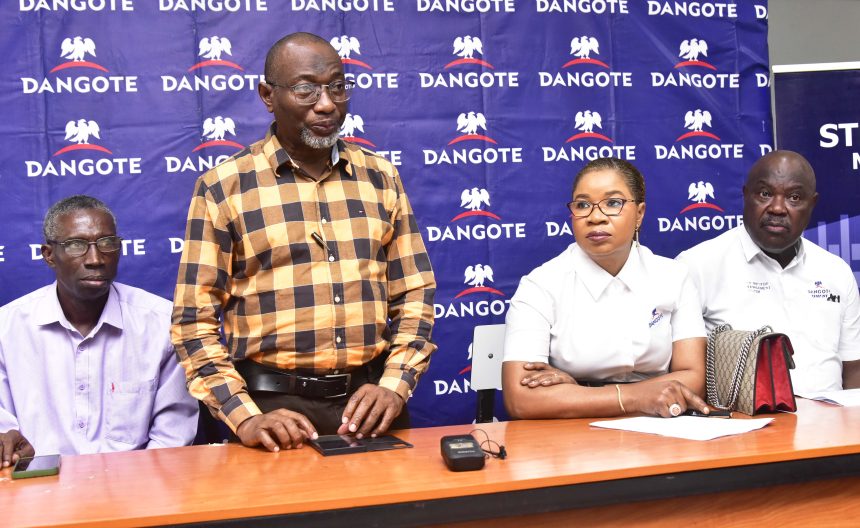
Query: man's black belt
[{"x": 262, "y": 378}]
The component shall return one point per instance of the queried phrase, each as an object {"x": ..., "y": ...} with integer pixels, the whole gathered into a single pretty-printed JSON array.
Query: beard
[{"x": 316, "y": 142}]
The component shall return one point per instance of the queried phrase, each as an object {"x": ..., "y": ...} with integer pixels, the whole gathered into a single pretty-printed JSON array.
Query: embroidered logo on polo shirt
[
  {"x": 758, "y": 286},
  {"x": 656, "y": 316},
  {"x": 820, "y": 292}
]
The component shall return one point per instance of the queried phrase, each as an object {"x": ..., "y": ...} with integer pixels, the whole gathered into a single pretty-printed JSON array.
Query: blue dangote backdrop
[
  {"x": 817, "y": 114},
  {"x": 487, "y": 107}
]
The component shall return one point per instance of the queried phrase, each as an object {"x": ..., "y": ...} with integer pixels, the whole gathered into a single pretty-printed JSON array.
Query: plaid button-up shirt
[{"x": 317, "y": 276}]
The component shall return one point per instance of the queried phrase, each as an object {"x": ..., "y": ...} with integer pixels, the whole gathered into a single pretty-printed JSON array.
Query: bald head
[
  {"x": 298, "y": 39},
  {"x": 783, "y": 161},
  {"x": 779, "y": 196}
]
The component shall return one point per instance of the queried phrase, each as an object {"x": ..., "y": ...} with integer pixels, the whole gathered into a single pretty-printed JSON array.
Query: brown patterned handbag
[{"x": 748, "y": 371}]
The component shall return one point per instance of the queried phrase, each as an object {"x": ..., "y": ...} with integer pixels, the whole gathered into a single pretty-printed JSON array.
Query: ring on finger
[{"x": 674, "y": 409}]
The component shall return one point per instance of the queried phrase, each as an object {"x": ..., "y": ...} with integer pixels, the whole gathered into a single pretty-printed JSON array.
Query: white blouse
[{"x": 572, "y": 314}]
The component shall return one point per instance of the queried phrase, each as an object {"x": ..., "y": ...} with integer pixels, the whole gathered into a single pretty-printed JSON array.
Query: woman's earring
[{"x": 636, "y": 236}]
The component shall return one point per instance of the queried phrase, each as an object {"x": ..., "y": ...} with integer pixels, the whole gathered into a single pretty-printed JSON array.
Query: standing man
[
  {"x": 307, "y": 251},
  {"x": 86, "y": 363},
  {"x": 765, "y": 273}
]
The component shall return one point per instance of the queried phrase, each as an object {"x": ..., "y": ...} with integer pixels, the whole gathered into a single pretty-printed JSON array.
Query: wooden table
[{"x": 553, "y": 466}]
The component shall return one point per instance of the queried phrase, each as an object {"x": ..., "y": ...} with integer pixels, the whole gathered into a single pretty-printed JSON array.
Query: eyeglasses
[
  {"x": 310, "y": 93},
  {"x": 77, "y": 247},
  {"x": 607, "y": 206}
]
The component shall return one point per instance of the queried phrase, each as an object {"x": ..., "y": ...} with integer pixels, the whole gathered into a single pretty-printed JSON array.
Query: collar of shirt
[
  {"x": 278, "y": 156},
  {"x": 49, "y": 311},
  {"x": 752, "y": 250},
  {"x": 597, "y": 279}
]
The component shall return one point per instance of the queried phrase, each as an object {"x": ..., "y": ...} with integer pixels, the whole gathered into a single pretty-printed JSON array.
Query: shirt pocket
[
  {"x": 129, "y": 413},
  {"x": 821, "y": 325},
  {"x": 371, "y": 229}
]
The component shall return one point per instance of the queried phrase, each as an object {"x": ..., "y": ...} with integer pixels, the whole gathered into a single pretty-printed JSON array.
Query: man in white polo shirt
[{"x": 764, "y": 273}]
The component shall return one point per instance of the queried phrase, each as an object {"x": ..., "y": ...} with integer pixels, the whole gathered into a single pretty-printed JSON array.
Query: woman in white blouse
[{"x": 606, "y": 328}]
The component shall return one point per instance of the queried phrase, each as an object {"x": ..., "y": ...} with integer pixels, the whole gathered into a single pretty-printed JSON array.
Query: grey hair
[{"x": 67, "y": 205}]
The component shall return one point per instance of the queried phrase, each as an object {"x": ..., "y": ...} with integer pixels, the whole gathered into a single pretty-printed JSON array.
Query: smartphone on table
[{"x": 38, "y": 466}]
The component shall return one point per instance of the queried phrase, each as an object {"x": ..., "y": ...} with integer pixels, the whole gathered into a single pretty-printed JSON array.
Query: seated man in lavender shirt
[{"x": 86, "y": 364}]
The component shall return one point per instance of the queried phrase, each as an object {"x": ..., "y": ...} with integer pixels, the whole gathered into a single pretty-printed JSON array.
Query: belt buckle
[{"x": 347, "y": 376}]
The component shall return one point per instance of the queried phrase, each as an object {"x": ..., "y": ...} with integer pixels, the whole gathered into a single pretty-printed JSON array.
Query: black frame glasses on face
[
  {"x": 309, "y": 93},
  {"x": 78, "y": 247},
  {"x": 603, "y": 205}
]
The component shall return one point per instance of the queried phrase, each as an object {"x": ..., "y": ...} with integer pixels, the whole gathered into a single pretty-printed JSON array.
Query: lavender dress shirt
[{"x": 117, "y": 389}]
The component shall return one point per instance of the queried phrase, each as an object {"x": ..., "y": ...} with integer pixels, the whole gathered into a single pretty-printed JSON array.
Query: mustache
[{"x": 775, "y": 221}]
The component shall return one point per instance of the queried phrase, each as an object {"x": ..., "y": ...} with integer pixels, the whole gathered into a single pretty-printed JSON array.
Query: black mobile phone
[
  {"x": 337, "y": 445},
  {"x": 39, "y": 466},
  {"x": 343, "y": 444}
]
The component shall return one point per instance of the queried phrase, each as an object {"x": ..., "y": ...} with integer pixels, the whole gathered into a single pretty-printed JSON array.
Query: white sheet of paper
[
  {"x": 847, "y": 398},
  {"x": 688, "y": 427}
]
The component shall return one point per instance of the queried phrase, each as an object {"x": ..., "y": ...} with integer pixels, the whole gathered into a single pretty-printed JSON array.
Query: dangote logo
[
  {"x": 214, "y": 130},
  {"x": 695, "y": 121},
  {"x": 475, "y": 276},
  {"x": 465, "y": 48},
  {"x": 351, "y": 123},
  {"x": 582, "y": 147},
  {"x": 698, "y": 194},
  {"x": 585, "y": 121},
  {"x": 690, "y": 51},
  {"x": 211, "y": 49},
  {"x": 75, "y": 50},
  {"x": 345, "y": 46},
  {"x": 472, "y": 200},
  {"x": 581, "y": 48},
  {"x": 468, "y": 124},
  {"x": 656, "y": 317},
  {"x": 79, "y": 132}
]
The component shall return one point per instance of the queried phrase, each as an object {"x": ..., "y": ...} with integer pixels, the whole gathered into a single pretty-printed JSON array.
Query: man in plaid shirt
[{"x": 305, "y": 248}]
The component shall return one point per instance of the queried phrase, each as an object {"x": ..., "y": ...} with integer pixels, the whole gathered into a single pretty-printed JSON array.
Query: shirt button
[
  {"x": 337, "y": 298},
  {"x": 337, "y": 339},
  {"x": 331, "y": 258},
  {"x": 81, "y": 387},
  {"x": 81, "y": 425}
]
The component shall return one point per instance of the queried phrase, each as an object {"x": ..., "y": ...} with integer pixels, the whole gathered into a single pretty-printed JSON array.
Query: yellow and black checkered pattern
[{"x": 318, "y": 276}]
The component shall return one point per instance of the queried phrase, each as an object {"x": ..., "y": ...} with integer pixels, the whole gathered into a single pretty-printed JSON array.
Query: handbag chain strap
[{"x": 740, "y": 365}]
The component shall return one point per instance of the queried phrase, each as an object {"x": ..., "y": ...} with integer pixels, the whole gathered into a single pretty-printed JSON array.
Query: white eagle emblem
[
  {"x": 351, "y": 123},
  {"x": 345, "y": 45},
  {"x": 477, "y": 275},
  {"x": 469, "y": 123},
  {"x": 216, "y": 128},
  {"x": 472, "y": 199},
  {"x": 467, "y": 46},
  {"x": 76, "y": 49},
  {"x": 581, "y": 47},
  {"x": 690, "y": 49},
  {"x": 586, "y": 121},
  {"x": 79, "y": 132},
  {"x": 211, "y": 48},
  {"x": 695, "y": 120},
  {"x": 700, "y": 192}
]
